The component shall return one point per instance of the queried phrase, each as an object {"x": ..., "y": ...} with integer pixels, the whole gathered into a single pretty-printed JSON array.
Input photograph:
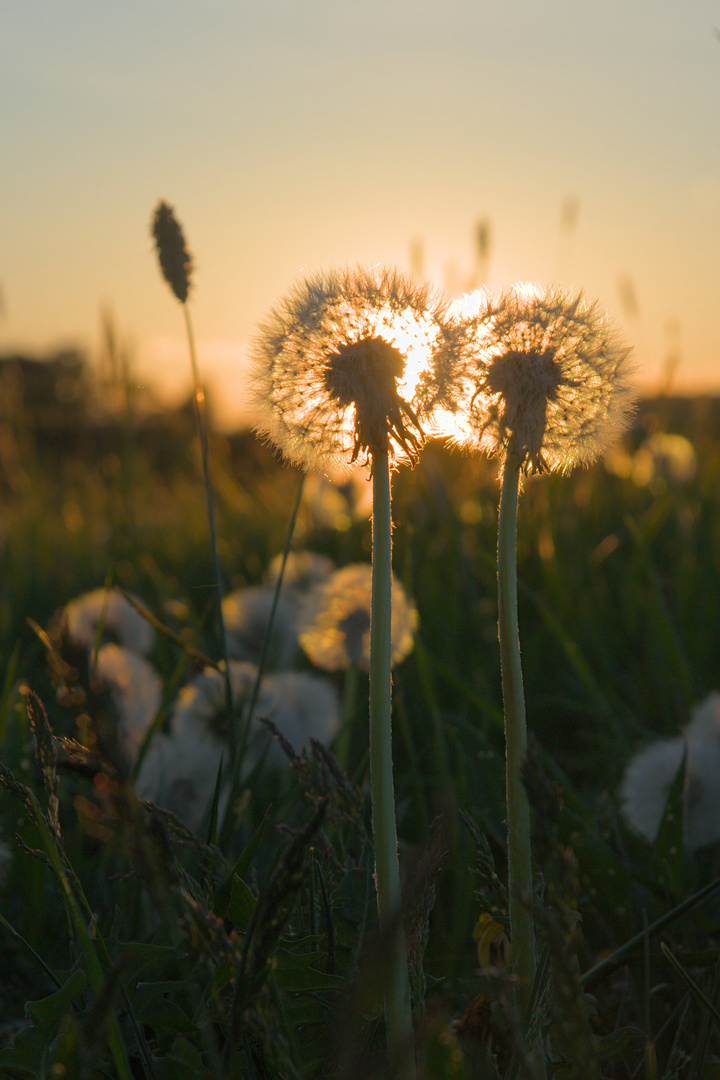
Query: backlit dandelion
[
  {"x": 541, "y": 378},
  {"x": 336, "y": 365},
  {"x": 540, "y": 372},
  {"x": 335, "y": 369},
  {"x": 335, "y": 629}
]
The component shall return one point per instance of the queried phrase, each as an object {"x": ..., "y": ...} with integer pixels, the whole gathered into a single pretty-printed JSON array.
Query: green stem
[
  {"x": 522, "y": 931},
  {"x": 398, "y": 1013},
  {"x": 199, "y": 401}
]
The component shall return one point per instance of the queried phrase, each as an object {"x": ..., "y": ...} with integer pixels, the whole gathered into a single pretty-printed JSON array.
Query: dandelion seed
[
  {"x": 335, "y": 628},
  {"x": 179, "y": 772},
  {"x": 303, "y": 570},
  {"x": 650, "y": 774},
  {"x": 246, "y": 616},
  {"x": 121, "y": 623},
  {"x": 136, "y": 690},
  {"x": 540, "y": 372},
  {"x": 180, "y": 769},
  {"x": 336, "y": 365},
  {"x": 302, "y": 706}
]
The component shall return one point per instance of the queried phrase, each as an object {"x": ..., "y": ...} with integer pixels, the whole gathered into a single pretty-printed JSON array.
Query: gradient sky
[{"x": 309, "y": 133}]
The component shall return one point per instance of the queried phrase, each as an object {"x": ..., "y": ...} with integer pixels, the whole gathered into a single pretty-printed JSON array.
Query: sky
[{"x": 298, "y": 135}]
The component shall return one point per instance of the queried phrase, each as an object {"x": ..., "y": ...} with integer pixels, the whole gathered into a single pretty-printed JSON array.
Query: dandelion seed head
[
  {"x": 303, "y": 570},
  {"x": 203, "y": 701},
  {"x": 246, "y": 616},
  {"x": 336, "y": 365},
  {"x": 308, "y": 707},
  {"x": 121, "y": 623},
  {"x": 335, "y": 628},
  {"x": 179, "y": 772},
  {"x": 539, "y": 371},
  {"x": 180, "y": 769},
  {"x": 136, "y": 690},
  {"x": 650, "y": 773}
]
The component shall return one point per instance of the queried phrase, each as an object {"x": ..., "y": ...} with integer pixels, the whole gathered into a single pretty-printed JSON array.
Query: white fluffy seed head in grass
[
  {"x": 246, "y": 617},
  {"x": 335, "y": 626},
  {"x": 336, "y": 363},
  {"x": 649, "y": 776},
  {"x": 180, "y": 769},
  {"x": 136, "y": 690},
  {"x": 121, "y": 623},
  {"x": 541, "y": 372},
  {"x": 303, "y": 570},
  {"x": 302, "y": 706}
]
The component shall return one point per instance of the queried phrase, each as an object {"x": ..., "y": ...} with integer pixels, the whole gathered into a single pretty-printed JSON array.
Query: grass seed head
[{"x": 175, "y": 259}]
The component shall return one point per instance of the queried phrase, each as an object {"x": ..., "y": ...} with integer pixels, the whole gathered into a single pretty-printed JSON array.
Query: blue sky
[{"x": 306, "y": 134}]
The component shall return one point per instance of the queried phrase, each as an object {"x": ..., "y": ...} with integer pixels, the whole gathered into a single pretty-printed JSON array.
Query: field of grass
[{"x": 131, "y": 947}]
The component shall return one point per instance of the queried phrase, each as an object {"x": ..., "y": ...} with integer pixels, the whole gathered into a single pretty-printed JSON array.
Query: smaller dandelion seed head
[
  {"x": 246, "y": 617},
  {"x": 121, "y": 622},
  {"x": 136, "y": 690},
  {"x": 303, "y": 570},
  {"x": 650, "y": 774},
  {"x": 537, "y": 371},
  {"x": 335, "y": 627},
  {"x": 175, "y": 259},
  {"x": 336, "y": 364}
]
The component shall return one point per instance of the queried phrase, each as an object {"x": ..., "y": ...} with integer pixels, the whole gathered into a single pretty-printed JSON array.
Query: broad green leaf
[
  {"x": 155, "y": 1007},
  {"x": 294, "y": 972},
  {"x": 224, "y": 893},
  {"x": 26, "y": 1053},
  {"x": 141, "y": 958},
  {"x": 48, "y": 1012},
  {"x": 617, "y": 1042},
  {"x": 242, "y": 904}
]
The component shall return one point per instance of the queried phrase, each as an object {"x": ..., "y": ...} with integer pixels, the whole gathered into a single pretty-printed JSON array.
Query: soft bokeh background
[{"x": 583, "y": 137}]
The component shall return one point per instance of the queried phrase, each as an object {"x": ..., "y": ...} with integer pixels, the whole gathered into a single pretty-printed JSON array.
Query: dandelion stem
[
  {"x": 387, "y": 869},
  {"x": 522, "y": 931},
  {"x": 199, "y": 401}
]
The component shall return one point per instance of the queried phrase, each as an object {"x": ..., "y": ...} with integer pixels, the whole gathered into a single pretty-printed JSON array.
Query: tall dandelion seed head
[
  {"x": 540, "y": 372},
  {"x": 175, "y": 259},
  {"x": 336, "y": 364}
]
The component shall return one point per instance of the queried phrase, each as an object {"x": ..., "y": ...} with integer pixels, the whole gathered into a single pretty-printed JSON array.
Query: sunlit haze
[{"x": 475, "y": 142}]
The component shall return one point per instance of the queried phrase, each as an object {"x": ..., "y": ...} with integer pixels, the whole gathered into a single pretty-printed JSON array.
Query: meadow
[{"x": 132, "y": 946}]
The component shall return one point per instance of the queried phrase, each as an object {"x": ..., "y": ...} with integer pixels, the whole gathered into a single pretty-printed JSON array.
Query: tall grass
[{"x": 132, "y": 947}]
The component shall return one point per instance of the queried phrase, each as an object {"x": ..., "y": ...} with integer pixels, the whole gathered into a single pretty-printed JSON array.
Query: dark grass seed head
[{"x": 175, "y": 259}]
